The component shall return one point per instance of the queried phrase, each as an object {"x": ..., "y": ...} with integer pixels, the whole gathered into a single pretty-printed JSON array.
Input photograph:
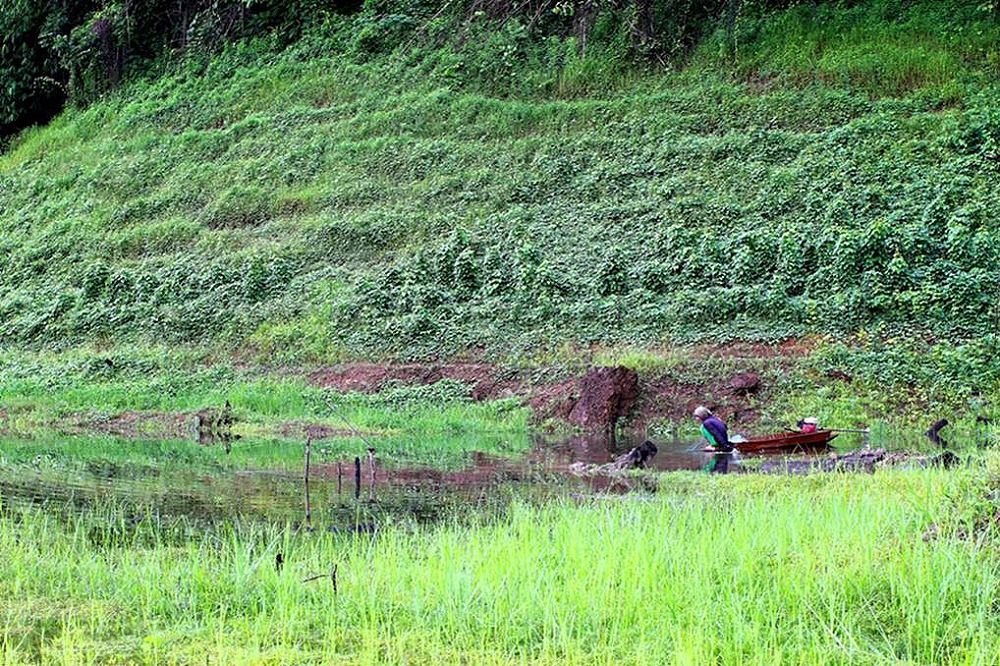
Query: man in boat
[{"x": 714, "y": 430}]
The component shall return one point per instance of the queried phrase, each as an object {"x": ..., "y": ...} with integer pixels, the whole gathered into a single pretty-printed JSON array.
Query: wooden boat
[{"x": 790, "y": 441}]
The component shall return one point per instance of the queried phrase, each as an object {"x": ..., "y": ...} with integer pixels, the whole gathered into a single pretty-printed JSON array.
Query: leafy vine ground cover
[{"x": 312, "y": 203}]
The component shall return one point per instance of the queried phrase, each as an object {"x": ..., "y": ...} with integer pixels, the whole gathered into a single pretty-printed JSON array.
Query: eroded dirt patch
[
  {"x": 135, "y": 425},
  {"x": 668, "y": 398},
  {"x": 594, "y": 399},
  {"x": 731, "y": 379},
  {"x": 486, "y": 382}
]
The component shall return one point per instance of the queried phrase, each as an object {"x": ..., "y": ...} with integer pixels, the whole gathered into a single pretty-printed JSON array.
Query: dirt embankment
[
  {"x": 486, "y": 382},
  {"x": 727, "y": 379},
  {"x": 597, "y": 398}
]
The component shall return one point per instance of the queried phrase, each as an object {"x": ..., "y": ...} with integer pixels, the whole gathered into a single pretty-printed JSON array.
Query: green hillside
[{"x": 438, "y": 184}]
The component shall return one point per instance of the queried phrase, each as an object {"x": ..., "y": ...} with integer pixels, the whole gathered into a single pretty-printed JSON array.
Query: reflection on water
[
  {"x": 719, "y": 463},
  {"x": 261, "y": 482}
]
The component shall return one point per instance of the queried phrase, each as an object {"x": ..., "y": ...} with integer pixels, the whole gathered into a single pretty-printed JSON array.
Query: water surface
[{"x": 350, "y": 487}]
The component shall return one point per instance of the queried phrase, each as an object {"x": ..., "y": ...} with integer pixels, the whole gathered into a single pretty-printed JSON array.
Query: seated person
[
  {"x": 809, "y": 424},
  {"x": 714, "y": 430}
]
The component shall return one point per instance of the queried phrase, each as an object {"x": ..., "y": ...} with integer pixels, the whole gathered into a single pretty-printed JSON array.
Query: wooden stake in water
[
  {"x": 371, "y": 470},
  {"x": 340, "y": 476},
  {"x": 306, "y": 483},
  {"x": 357, "y": 477}
]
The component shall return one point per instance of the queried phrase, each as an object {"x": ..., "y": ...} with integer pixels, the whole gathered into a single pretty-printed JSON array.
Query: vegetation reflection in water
[
  {"x": 264, "y": 477},
  {"x": 260, "y": 478}
]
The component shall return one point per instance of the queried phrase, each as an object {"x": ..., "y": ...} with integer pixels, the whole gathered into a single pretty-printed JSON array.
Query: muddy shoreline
[{"x": 585, "y": 399}]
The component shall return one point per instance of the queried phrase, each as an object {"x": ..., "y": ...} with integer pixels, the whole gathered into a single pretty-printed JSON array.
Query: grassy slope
[{"x": 839, "y": 177}]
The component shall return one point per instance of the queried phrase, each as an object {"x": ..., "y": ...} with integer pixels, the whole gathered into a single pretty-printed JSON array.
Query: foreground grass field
[{"x": 899, "y": 567}]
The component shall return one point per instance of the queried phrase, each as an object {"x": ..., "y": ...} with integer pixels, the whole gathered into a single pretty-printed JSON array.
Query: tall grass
[
  {"x": 885, "y": 47},
  {"x": 832, "y": 569}
]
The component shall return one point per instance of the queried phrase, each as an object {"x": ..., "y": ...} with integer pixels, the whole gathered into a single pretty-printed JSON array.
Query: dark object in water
[
  {"x": 216, "y": 425},
  {"x": 357, "y": 477},
  {"x": 718, "y": 463},
  {"x": 934, "y": 434},
  {"x": 787, "y": 442},
  {"x": 945, "y": 459},
  {"x": 637, "y": 458},
  {"x": 305, "y": 484}
]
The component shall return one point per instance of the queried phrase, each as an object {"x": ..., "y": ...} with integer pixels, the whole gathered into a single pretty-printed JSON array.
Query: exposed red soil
[
  {"x": 592, "y": 401},
  {"x": 487, "y": 382},
  {"x": 665, "y": 398},
  {"x": 597, "y": 399},
  {"x": 552, "y": 401}
]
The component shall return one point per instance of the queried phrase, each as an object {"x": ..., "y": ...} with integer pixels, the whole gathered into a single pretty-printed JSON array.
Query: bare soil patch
[
  {"x": 135, "y": 425},
  {"x": 487, "y": 382}
]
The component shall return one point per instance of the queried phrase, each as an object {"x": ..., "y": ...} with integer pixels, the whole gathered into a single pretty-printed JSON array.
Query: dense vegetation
[
  {"x": 407, "y": 179},
  {"x": 56, "y": 51}
]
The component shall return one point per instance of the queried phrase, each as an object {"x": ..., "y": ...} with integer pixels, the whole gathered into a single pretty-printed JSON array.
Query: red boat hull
[{"x": 787, "y": 441}]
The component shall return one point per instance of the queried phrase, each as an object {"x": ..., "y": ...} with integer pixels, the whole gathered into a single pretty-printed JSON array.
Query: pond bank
[{"x": 757, "y": 388}]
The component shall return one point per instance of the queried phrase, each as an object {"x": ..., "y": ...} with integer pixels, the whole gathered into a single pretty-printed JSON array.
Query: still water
[{"x": 349, "y": 487}]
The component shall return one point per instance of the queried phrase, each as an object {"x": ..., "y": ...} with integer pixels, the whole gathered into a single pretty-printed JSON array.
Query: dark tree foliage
[
  {"x": 55, "y": 51},
  {"x": 658, "y": 29},
  {"x": 32, "y": 82}
]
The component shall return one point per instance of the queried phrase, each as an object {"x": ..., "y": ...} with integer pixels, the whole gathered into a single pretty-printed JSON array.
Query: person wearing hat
[
  {"x": 714, "y": 430},
  {"x": 809, "y": 424}
]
